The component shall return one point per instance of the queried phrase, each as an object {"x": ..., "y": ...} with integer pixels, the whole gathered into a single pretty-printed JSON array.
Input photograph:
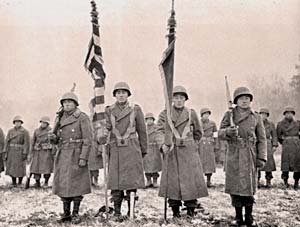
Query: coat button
[{"x": 73, "y": 130}]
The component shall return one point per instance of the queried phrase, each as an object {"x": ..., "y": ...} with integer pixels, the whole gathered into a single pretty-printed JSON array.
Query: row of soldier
[{"x": 251, "y": 143}]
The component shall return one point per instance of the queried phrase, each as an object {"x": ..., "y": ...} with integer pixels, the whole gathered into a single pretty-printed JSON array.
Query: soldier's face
[
  {"x": 264, "y": 116},
  {"x": 44, "y": 125},
  {"x": 149, "y": 121},
  {"x": 69, "y": 105},
  {"x": 244, "y": 102},
  {"x": 289, "y": 115},
  {"x": 205, "y": 116},
  {"x": 121, "y": 96},
  {"x": 178, "y": 100},
  {"x": 18, "y": 124}
]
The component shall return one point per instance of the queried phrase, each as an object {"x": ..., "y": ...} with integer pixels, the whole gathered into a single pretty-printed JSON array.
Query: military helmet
[
  {"x": 18, "y": 118},
  {"x": 205, "y": 110},
  {"x": 264, "y": 110},
  {"x": 121, "y": 86},
  {"x": 180, "y": 90},
  {"x": 149, "y": 115},
  {"x": 45, "y": 119},
  {"x": 71, "y": 96},
  {"x": 241, "y": 91},
  {"x": 289, "y": 109}
]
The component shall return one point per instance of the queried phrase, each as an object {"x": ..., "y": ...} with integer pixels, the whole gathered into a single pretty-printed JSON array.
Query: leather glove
[
  {"x": 232, "y": 132},
  {"x": 82, "y": 163},
  {"x": 165, "y": 149},
  {"x": 260, "y": 163},
  {"x": 24, "y": 157},
  {"x": 274, "y": 149}
]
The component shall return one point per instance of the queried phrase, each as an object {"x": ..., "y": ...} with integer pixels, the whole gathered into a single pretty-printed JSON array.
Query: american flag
[{"x": 94, "y": 65}]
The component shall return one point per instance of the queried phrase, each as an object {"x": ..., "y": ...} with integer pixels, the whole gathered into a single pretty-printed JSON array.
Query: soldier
[
  {"x": 127, "y": 145},
  {"x": 152, "y": 161},
  {"x": 182, "y": 177},
  {"x": 272, "y": 144},
  {"x": 16, "y": 151},
  {"x": 95, "y": 159},
  {"x": 71, "y": 174},
  {"x": 2, "y": 154},
  {"x": 207, "y": 145},
  {"x": 247, "y": 151},
  {"x": 288, "y": 136},
  {"x": 42, "y": 153}
]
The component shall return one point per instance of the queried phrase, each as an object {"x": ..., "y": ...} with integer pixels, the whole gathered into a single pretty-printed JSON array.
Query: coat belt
[
  {"x": 290, "y": 137},
  {"x": 16, "y": 145}
]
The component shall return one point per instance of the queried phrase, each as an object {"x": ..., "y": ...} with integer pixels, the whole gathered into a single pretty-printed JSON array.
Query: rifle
[{"x": 230, "y": 103}]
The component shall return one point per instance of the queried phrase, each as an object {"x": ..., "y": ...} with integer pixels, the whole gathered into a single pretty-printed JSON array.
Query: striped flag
[
  {"x": 94, "y": 65},
  {"x": 166, "y": 68}
]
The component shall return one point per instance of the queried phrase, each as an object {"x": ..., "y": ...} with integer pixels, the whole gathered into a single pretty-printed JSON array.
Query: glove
[
  {"x": 260, "y": 163},
  {"x": 274, "y": 149},
  {"x": 82, "y": 163},
  {"x": 232, "y": 131},
  {"x": 165, "y": 149},
  {"x": 24, "y": 157},
  {"x": 144, "y": 154}
]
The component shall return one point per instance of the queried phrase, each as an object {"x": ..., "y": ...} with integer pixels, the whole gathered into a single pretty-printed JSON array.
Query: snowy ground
[{"x": 39, "y": 207}]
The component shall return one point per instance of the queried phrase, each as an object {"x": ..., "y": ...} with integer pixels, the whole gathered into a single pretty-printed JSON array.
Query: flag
[
  {"x": 166, "y": 68},
  {"x": 94, "y": 65}
]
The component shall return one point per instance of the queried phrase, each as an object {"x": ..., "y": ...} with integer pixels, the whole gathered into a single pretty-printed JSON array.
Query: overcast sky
[{"x": 43, "y": 45}]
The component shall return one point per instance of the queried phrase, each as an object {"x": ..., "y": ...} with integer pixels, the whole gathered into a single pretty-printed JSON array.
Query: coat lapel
[
  {"x": 238, "y": 118},
  {"x": 182, "y": 118},
  {"x": 119, "y": 113},
  {"x": 67, "y": 120}
]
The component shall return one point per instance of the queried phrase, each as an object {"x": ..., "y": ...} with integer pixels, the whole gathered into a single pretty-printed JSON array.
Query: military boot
[
  {"x": 148, "y": 182},
  {"x": 286, "y": 183},
  {"x": 258, "y": 183},
  {"x": 191, "y": 212},
  {"x": 155, "y": 185},
  {"x": 20, "y": 180},
  {"x": 176, "y": 212},
  {"x": 117, "y": 211},
  {"x": 66, "y": 217},
  {"x": 37, "y": 183},
  {"x": 208, "y": 183},
  {"x": 46, "y": 182},
  {"x": 296, "y": 184},
  {"x": 238, "y": 220},
  {"x": 248, "y": 216},
  {"x": 75, "y": 214},
  {"x": 268, "y": 185},
  {"x": 14, "y": 181}
]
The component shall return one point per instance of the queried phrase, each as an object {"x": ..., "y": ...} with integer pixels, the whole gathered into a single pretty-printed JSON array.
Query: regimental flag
[
  {"x": 166, "y": 68},
  {"x": 94, "y": 65}
]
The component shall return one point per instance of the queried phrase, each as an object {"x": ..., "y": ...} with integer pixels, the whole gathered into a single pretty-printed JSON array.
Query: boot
[
  {"x": 268, "y": 185},
  {"x": 148, "y": 183},
  {"x": 258, "y": 183},
  {"x": 208, "y": 183},
  {"x": 248, "y": 216},
  {"x": 286, "y": 183},
  {"x": 20, "y": 180},
  {"x": 75, "y": 214},
  {"x": 66, "y": 217},
  {"x": 14, "y": 181},
  {"x": 117, "y": 215},
  {"x": 46, "y": 182},
  {"x": 155, "y": 185},
  {"x": 37, "y": 184},
  {"x": 176, "y": 212},
  {"x": 95, "y": 180},
  {"x": 190, "y": 212},
  {"x": 296, "y": 184},
  {"x": 238, "y": 220}
]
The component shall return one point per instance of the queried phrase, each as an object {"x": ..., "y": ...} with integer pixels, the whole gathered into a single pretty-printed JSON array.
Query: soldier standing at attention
[
  {"x": 288, "y": 136},
  {"x": 247, "y": 152},
  {"x": 152, "y": 161},
  {"x": 183, "y": 179},
  {"x": 71, "y": 174},
  {"x": 127, "y": 146},
  {"x": 207, "y": 145},
  {"x": 42, "y": 153},
  {"x": 272, "y": 144},
  {"x": 16, "y": 150}
]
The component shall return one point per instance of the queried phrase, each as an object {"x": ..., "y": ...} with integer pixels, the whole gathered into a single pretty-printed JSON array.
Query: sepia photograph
[{"x": 155, "y": 113}]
